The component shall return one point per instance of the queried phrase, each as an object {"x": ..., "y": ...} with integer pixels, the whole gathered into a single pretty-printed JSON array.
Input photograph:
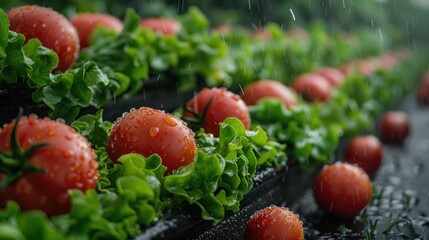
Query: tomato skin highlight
[
  {"x": 86, "y": 23},
  {"x": 274, "y": 223},
  {"x": 366, "y": 152},
  {"x": 161, "y": 25},
  {"x": 342, "y": 190},
  {"x": 268, "y": 88},
  {"x": 149, "y": 131},
  {"x": 52, "y": 29},
  {"x": 312, "y": 87},
  {"x": 69, "y": 163},
  {"x": 394, "y": 127},
  {"x": 223, "y": 104}
]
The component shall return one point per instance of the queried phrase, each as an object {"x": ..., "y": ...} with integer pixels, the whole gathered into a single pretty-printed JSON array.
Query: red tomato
[
  {"x": 388, "y": 60},
  {"x": 366, "y": 152},
  {"x": 161, "y": 25},
  {"x": 223, "y": 29},
  {"x": 148, "y": 131},
  {"x": 347, "y": 68},
  {"x": 223, "y": 104},
  {"x": 274, "y": 223},
  {"x": 52, "y": 29},
  {"x": 86, "y": 23},
  {"x": 334, "y": 76},
  {"x": 268, "y": 88},
  {"x": 423, "y": 89},
  {"x": 394, "y": 126},
  {"x": 342, "y": 190},
  {"x": 262, "y": 34},
  {"x": 312, "y": 87},
  {"x": 68, "y": 162},
  {"x": 365, "y": 67}
]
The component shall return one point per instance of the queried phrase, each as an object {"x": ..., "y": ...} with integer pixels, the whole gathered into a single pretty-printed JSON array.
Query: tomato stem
[
  {"x": 14, "y": 164},
  {"x": 197, "y": 121}
]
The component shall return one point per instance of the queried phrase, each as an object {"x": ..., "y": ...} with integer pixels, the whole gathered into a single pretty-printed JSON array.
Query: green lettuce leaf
[{"x": 224, "y": 169}]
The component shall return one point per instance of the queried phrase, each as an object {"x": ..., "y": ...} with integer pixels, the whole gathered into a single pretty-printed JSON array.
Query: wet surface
[{"x": 400, "y": 207}]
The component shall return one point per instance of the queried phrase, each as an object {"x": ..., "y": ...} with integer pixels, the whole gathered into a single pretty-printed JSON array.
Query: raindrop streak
[
  {"x": 381, "y": 34},
  {"x": 241, "y": 88},
  {"x": 250, "y": 5},
  {"x": 293, "y": 15}
]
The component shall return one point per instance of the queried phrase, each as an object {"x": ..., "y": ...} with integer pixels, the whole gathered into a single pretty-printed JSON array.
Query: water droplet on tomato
[
  {"x": 169, "y": 121},
  {"x": 131, "y": 116},
  {"x": 93, "y": 164},
  {"x": 67, "y": 153},
  {"x": 71, "y": 177},
  {"x": 154, "y": 131},
  {"x": 60, "y": 120},
  {"x": 31, "y": 122}
]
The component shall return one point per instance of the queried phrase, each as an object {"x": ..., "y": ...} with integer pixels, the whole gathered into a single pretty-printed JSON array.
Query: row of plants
[
  {"x": 116, "y": 66},
  {"x": 133, "y": 191}
]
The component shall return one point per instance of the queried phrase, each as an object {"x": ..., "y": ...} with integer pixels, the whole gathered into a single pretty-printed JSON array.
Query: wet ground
[{"x": 400, "y": 207}]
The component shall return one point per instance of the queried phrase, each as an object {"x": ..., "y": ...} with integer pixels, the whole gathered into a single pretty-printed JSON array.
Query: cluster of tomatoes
[
  {"x": 67, "y": 37},
  {"x": 42, "y": 159},
  {"x": 341, "y": 189}
]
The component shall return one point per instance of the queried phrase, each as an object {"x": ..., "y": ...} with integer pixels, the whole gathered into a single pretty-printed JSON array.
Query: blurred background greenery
[{"x": 404, "y": 20}]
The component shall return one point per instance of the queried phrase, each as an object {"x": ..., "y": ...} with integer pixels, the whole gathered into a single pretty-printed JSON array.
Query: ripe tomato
[
  {"x": 86, "y": 23},
  {"x": 262, "y": 34},
  {"x": 68, "y": 162},
  {"x": 394, "y": 126},
  {"x": 268, "y": 88},
  {"x": 161, "y": 25},
  {"x": 388, "y": 60},
  {"x": 219, "y": 104},
  {"x": 274, "y": 223},
  {"x": 148, "y": 131},
  {"x": 423, "y": 89},
  {"x": 366, "y": 152},
  {"x": 365, "y": 67},
  {"x": 223, "y": 29},
  {"x": 52, "y": 29},
  {"x": 342, "y": 190},
  {"x": 312, "y": 87},
  {"x": 334, "y": 76}
]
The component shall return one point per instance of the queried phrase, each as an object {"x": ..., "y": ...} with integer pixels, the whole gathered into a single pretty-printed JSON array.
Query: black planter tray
[{"x": 157, "y": 93}]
